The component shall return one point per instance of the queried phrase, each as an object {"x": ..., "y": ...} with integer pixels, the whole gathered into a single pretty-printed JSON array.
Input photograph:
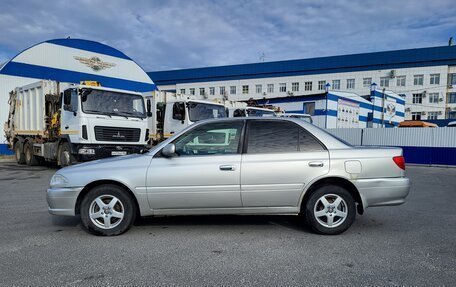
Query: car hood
[{"x": 109, "y": 163}]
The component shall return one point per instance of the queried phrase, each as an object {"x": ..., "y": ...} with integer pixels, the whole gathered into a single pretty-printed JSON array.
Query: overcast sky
[{"x": 162, "y": 35}]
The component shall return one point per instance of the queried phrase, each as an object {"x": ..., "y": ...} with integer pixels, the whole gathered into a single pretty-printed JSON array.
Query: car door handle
[
  {"x": 316, "y": 164},
  {"x": 227, "y": 167}
]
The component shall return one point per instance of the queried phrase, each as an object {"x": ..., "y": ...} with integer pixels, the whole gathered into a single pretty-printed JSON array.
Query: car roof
[{"x": 325, "y": 137}]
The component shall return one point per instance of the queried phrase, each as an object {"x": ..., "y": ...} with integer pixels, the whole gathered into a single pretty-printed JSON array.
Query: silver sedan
[{"x": 235, "y": 166}]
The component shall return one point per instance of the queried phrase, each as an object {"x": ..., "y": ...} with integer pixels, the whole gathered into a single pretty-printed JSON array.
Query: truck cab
[
  {"x": 305, "y": 117},
  {"x": 100, "y": 122},
  {"x": 259, "y": 112},
  {"x": 241, "y": 109},
  {"x": 174, "y": 112}
]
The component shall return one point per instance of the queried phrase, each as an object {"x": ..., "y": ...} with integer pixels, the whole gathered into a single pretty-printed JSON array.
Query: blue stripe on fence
[{"x": 430, "y": 155}]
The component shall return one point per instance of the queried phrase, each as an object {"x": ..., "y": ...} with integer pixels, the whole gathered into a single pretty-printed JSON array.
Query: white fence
[{"x": 412, "y": 137}]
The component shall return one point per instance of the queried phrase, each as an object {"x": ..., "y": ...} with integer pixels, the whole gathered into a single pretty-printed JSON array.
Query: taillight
[{"x": 400, "y": 162}]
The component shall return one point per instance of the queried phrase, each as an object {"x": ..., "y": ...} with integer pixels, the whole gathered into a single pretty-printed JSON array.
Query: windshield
[
  {"x": 112, "y": 103},
  {"x": 259, "y": 113},
  {"x": 203, "y": 111}
]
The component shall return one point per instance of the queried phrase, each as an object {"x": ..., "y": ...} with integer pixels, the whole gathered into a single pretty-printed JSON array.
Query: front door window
[{"x": 211, "y": 139}]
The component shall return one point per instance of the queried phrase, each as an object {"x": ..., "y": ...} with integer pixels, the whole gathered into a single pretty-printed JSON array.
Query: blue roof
[
  {"x": 89, "y": 45},
  {"x": 420, "y": 57},
  {"x": 13, "y": 68}
]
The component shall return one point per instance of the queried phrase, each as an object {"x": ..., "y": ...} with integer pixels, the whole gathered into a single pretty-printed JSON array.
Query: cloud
[{"x": 162, "y": 35}]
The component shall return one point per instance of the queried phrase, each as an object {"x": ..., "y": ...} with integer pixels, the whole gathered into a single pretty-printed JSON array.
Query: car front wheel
[
  {"x": 330, "y": 210},
  {"x": 107, "y": 210}
]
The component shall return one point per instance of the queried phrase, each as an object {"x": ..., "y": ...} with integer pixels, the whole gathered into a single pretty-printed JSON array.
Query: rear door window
[{"x": 279, "y": 137}]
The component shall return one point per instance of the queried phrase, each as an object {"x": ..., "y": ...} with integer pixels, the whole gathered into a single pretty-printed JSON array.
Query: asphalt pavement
[{"x": 412, "y": 244}]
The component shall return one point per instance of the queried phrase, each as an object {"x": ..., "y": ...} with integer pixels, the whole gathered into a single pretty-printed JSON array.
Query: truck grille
[{"x": 114, "y": 134}]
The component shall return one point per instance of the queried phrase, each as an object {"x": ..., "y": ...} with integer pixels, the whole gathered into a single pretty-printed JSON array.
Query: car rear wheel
[
  {"x": 330, "y": 210},
  {"x": 107, "y": 210}
]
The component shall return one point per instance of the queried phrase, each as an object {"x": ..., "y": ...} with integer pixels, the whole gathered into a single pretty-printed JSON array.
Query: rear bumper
[
  {"x": 383, "y": 191},
  {"x": 62, "y": 200}
]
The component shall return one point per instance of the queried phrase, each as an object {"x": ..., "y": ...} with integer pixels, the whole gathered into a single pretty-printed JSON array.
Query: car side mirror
[
  {"x": 149, "y": 114},
  {"x": 169, "y": 150}
]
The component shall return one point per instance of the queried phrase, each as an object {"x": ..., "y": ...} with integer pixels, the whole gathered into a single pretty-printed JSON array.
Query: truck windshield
[
  {"x": 259, "y": 113},
  {"x": 204, "y": 111},
  {"x": 112, "y": 103}
]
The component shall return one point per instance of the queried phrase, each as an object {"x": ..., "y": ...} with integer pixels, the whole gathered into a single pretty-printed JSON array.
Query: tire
[
  {"x": 120, "y": 216},
  {"x": 66, "y": 158},
  {"x": 19, "y": 152},
  {"x": 30, "y": 158},
  {"x": 327, "y": 218}
]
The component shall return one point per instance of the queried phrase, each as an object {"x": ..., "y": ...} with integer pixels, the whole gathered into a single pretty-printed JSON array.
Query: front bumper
[
  {"x": 383, "y": 191},
  {"x": 62, "y": 200},
  {"x": 104, "y": 151}
]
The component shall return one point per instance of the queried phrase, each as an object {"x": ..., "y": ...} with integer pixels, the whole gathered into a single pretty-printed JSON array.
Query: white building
[{"x": 425, "y": 78}]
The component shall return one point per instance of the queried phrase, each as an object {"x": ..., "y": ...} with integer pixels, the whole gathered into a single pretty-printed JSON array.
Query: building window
[
  {"x": 295, "y": 87},
  {"x": 282, "y": 87},
  {"x": 258, "y": 89},
  {"x": 245, "y": 89},
  {"x": 321, "y": 85},
  {"x": 192, "y": 91},
  {"x": 418, "y": 80},
  {"x": 400, "y": 81},
  {"x": 351, "y": 83},
  {"x": 384, "y": 82},
  {"x": 451, "y": 79},
  {"x": 432, "y": 115},
  {"x": 336, "y": 84},
  {"x": 434, "y": 98},
  {"x": 417, "y": 98},
  {"x": 212, "y": 91},
  {"x": 416, "y": 116},
  {"x": 222, "y": 91},
  {"x": 308, "y": 86},
  {"x": 202, "y": 91},
  {"x": 435, "y": 79},
  {"x": 232, "y": 90},
  {"x": 367, "y": 82},
  {"x": 451, "y": 98},
  {"x": 182, "y": 91},
  {"x": 309, "y": 108},
  {"x": 270, "y": 88},
  {"x": 452, "y": 115}
]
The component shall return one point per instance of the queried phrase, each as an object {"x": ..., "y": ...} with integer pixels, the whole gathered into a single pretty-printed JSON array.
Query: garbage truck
[{"x": 66, "y": 123}]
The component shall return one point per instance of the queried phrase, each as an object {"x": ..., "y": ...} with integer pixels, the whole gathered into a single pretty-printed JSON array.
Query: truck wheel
[
  {"x": 330, "y": 210},
  {"x": 30, "y": 158},
  {"x": 19, "y": 153},
  {"x": 107, "y": 210},
  {"x": 65, "y": 156}
]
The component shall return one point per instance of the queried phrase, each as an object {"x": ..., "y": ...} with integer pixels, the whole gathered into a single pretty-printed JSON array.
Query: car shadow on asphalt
[
  {"x": 290, "y": 222},
  {"x": 65, "y": 221}
]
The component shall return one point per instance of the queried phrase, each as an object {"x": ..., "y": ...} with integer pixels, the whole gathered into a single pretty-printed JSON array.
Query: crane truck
[{"x": 66, "y": 123}]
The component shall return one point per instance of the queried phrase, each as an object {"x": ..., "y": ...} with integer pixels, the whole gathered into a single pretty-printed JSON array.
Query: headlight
[{"x": 58, "y": 180}]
